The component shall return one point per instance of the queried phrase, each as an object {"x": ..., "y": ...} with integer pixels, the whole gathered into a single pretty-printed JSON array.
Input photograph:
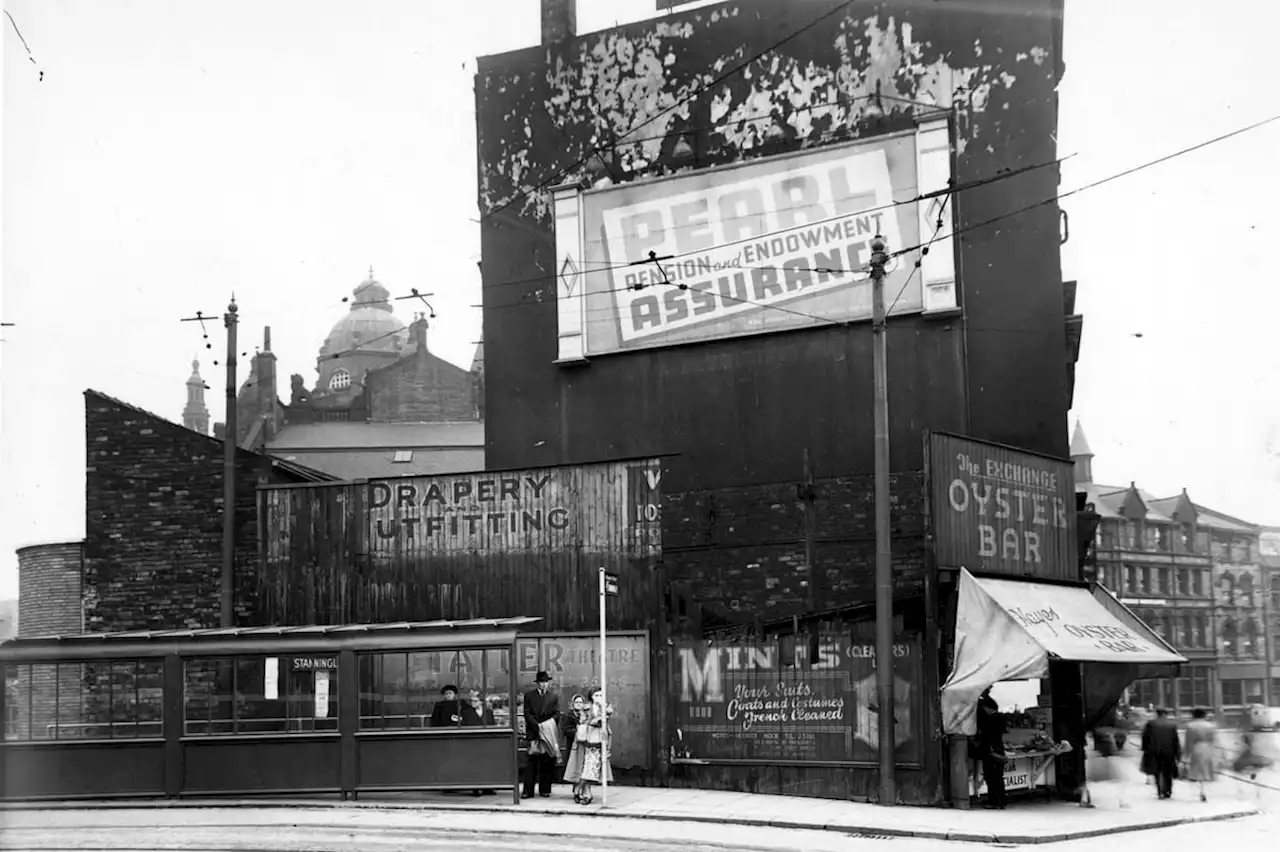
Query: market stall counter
[{"x": 1012, "y": 630}]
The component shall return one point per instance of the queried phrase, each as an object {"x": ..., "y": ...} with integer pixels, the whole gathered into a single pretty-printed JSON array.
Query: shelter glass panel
[
  {"x": 79, "y": 700},
  {"x": 434, "y": 689},
  {"x": 294, "y": 694}
]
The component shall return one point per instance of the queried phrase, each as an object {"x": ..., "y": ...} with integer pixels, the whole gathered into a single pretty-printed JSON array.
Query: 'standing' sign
[{"x": 1000, "y": 510}]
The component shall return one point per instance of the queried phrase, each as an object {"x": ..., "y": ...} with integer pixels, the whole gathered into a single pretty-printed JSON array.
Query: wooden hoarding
[
  {"x": 476, "y": 545},
  {"x": 763, "y": 702},
  {"x": 998, "y": 510}
]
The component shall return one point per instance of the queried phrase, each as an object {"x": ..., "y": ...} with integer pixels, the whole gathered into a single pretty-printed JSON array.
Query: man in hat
[
  {"x": 1161, "y": 751},
  {"x": 540, "y": 705}
]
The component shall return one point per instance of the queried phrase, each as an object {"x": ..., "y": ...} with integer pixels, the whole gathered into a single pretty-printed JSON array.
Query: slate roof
[{"x": 350, "y": 451}]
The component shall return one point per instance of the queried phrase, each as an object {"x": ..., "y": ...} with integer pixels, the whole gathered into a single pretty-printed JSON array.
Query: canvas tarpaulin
[{"x": 1010, "y": 629}]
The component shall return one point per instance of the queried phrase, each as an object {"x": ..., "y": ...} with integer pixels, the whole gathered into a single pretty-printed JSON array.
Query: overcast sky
[{"x": 175, "y": 152}]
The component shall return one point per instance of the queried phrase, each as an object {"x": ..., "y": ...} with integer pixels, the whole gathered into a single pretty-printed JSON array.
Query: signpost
[{"x": 608, "y": 587}]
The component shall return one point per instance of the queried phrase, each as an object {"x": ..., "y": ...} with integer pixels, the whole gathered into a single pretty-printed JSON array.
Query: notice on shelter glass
[
  {"x": 271, "y": 679},
  {"x": 322, "y": 694}
]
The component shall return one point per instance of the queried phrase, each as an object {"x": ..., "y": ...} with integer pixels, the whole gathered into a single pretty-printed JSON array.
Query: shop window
[
  {"x": 295, "y": 694},
  {"x": 1200, "y": 696},
  {"x": 1232, "y": 693},
  {"x": 116, "y": 699},
  {"x": 404, "y": 691},
  {"x": 1253, "y": 691}
]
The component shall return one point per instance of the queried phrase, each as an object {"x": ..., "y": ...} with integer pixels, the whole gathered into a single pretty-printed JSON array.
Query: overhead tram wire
[
  {"x": 974, "y": 184},
  {"x": 959, "y": 231},
  {"x": 1108, "y": 179},
  {"x": 598, "y": 150}
]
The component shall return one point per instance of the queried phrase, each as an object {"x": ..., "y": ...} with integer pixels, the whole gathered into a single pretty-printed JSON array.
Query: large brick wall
[
  {"x": 48, "y": 605},
  {"x": 422, "y": 388},
  {"x": 740, "y": 551},
  {"x": 153, "y": 521}
]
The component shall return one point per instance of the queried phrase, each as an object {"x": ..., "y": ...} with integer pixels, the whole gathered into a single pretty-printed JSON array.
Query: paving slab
[{"x": 1027, "y": 822}]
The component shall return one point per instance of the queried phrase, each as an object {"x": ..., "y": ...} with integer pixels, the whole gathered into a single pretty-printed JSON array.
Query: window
[
  {"x": 1227, "y": 589},
  {"x": 404, "y": 691},
  {"x": 111, "y": 699},
  {"x": 1202, "y": 631},
  {"x": 1202, "y": 541},
  {"x": 1146, "y": 579},
  {"x": 1249, "y": 645},
  {"x": 1162, "y": 538},
  {"x": 1198, "y": 584},
  {"x": 1232, "y": 693},
  {"x": 1184, "y": 582},
  {"x": 1253, "y": 691},
  {"x": 402, "y": 456},
  {"x": 339, "y": 380},
  {"x": 1126, "y": 535},
  {"x": 260, "y": 695},
  {"x": 1244, "y": 591},
  {"x": 1130, "y": 580},
  {"x": 1107, "y": 529},
  {"x": 1230, "y": 645},
  {"x": 1161, "y": 578}
]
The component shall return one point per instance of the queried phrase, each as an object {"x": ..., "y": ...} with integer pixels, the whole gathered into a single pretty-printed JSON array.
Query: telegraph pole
[
  {"x": 884, "y": 563},
  {"x": 229, "y": 474}
]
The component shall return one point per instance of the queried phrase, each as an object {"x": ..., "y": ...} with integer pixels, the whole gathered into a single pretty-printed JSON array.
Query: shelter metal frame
[{"x": 345, "y": 760}]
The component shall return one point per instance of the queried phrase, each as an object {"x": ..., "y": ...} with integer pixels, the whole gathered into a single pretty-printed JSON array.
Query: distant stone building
[
  {"x": 1195, "y": 576},
  {"x": 383, "y": 403},
  {"x": 195, "y": 415}
]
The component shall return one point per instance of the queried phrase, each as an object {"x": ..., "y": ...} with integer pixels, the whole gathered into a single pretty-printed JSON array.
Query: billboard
[
  {"x": 768, "y": 245},
  {"x": 766, "y": 701},
  {"x": 999, "y": 510},
  {"x": 614, "y": 507},
  {"x": 574, "y": 665}
]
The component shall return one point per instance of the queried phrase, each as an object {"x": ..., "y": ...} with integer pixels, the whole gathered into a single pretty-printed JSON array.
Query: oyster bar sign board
[
  {"x": 773, "y": 244},
  {"x": 999, "y": 510}
]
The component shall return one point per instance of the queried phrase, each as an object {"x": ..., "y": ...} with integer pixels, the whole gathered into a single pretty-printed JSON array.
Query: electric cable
[{"x": 597, "y": 150}]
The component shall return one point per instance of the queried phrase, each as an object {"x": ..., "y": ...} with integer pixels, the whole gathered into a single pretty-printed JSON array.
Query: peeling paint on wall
[{"x": 615, "y": 103}]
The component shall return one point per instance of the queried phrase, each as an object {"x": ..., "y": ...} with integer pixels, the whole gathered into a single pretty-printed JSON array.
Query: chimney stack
[
  {"x": 267, "y": 399},
  {"x": 559, "y": 21}
]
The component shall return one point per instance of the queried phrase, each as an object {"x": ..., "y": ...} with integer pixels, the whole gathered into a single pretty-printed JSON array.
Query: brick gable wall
[{"x": 421, "y": 388}]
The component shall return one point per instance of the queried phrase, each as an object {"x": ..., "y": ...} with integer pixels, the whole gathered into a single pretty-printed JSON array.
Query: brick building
[
  {"x": 734, "y": 354},
  {"x": 383, "y": 403},
  {"x": 1196, "y": 576},
  {"x": 49, "y": 588}
]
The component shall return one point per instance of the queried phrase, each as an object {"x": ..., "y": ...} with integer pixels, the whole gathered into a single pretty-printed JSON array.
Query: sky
[{"x": 175, "y": 153}]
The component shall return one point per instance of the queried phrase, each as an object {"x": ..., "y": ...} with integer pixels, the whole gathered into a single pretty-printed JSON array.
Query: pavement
[{"x": 1023, "y": 823}]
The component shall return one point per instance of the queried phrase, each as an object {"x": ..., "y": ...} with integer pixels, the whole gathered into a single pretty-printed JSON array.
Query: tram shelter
[{"x": 259, "y": 711}]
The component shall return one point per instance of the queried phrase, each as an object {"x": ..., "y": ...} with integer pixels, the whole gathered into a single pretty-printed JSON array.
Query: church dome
[{"x": 369, "y": 326}]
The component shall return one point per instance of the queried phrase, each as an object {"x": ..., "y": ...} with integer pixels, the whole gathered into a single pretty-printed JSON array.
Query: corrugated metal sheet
[
  {"x": 496, "y": 544},
  {"x": 998, "y": 510}
]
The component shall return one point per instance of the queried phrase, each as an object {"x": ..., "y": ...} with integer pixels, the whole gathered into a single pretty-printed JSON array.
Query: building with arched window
[
  {"x": 1195, "y": 576},
  {"x": 382, "y": 403}
]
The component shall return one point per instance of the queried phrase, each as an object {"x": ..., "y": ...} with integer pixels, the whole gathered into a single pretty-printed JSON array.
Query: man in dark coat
[
  {"x": 1161, "y": 751},
  {"x": 540, "y": 705},
  {"x": 990, "y": 749}
]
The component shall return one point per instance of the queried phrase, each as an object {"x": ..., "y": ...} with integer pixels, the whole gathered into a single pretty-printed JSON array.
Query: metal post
[
  {"x": 229, "y": 475},
  {"x": 884, "y": 563},
  {"x": 604, "y": 698}
]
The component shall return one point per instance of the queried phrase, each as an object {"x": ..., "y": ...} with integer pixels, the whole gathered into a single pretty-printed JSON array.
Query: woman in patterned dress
[
  {"x": 575, "y": 733},
  {"x": 595, "y": 759}
]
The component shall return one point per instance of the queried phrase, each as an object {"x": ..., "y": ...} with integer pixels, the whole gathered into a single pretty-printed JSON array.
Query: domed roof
[{"x": 370, "y": 326}]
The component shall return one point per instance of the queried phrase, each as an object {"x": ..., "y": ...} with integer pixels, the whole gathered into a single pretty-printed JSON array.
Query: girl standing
[
  {"x": 575, "y": 732},
  {"x": 595, "y": 761}
]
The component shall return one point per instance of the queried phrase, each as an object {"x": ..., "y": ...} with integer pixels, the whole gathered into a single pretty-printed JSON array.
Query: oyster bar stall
[
  {"x": 1010, "y": 631},
  {"x": 1017, "y": 616}
]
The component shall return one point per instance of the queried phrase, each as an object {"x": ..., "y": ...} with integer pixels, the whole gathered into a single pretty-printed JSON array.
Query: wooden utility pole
[
  {"x": 884, "y": 562},
  {"x": 229, "y": 475}
]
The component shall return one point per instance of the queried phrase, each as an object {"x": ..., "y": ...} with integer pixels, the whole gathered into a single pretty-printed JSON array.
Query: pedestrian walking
[
  {"x": 596, "y": 748},
  {"x": 1201, "y": 738},
  {"x": 1248, "y": 762},
  {"x": 541, "y": 718},
  {"x": 1161, "y": 752},
  {"x": 990, "y": 749}
]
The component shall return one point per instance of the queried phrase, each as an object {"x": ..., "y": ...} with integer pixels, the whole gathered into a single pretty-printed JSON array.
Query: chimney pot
[{"x": 559, "y": 21}]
